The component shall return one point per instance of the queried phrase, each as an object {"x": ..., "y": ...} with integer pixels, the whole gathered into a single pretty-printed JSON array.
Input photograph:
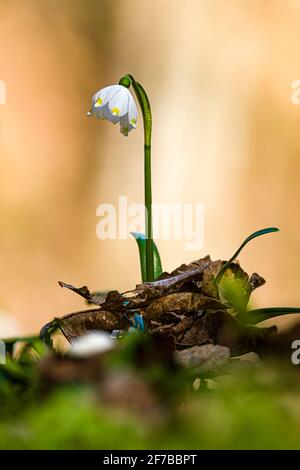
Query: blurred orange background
[{"x": 226, "y": 134}]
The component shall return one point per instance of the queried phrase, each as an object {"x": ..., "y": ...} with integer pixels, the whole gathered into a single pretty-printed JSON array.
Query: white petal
[
  {"x": 132, "y": 112},
  {"x": 118, "y": 105},
  {"x": 102, "y": 97},
  {"x": 106, "y": 114},
  {"x": 94, "y": 342}
]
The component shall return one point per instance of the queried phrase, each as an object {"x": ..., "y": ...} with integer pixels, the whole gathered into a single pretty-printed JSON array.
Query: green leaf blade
[
  {"x": 253, "y": 235},
  {"x": 141, "y": 242},
  {"x": 253, "y": 317}
]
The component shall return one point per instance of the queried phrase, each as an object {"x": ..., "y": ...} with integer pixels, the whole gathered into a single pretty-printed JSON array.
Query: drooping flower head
[{"x": 115, "y": 103}]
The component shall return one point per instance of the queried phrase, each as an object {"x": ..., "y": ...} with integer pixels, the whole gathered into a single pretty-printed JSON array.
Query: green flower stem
[{"x": 144, "y": 103}]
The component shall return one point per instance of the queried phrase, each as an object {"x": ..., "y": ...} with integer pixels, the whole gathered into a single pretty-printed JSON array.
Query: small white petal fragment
[
  {"x": 94, "y": 342},
  {"x": 115, "y": 104},
  {"x": 132, "y": 113}
]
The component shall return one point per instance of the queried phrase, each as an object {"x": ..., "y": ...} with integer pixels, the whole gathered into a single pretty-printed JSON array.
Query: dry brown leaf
[
  {"x": 185, "y": 302},
  {"x": 96, "y": 299},
  {"x": 79, "y": 323}
]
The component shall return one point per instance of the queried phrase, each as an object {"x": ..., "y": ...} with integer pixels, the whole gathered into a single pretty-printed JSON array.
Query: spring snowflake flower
[{"x": 115, "y": 104}]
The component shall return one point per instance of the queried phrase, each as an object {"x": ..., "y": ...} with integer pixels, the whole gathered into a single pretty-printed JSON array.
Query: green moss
[{"x": 257, "y": 410}]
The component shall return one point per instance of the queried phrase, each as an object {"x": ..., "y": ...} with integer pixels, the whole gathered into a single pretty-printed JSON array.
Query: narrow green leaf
[
  {"x": 252, "y": 317},
  {"x": 141, "y": 241},
  {"x": 263, "y": 231}
]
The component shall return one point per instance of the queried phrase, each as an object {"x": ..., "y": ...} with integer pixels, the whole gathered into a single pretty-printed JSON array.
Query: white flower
[
  {"x": 94, "y": 342},
  {"x": 116, "y": 104}
]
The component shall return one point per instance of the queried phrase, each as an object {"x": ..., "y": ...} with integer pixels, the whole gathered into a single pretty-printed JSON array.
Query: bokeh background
[{"x": 226, "y": 134}]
